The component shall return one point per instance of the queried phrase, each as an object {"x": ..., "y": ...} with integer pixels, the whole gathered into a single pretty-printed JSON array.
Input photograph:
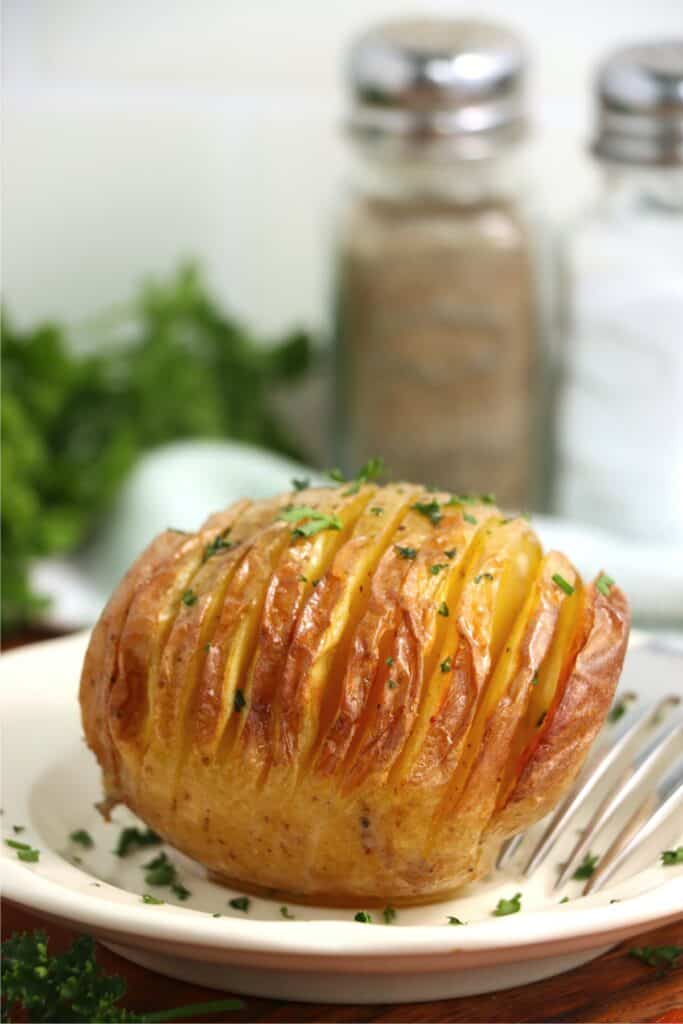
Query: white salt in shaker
[{"x": 620, "y": 437}]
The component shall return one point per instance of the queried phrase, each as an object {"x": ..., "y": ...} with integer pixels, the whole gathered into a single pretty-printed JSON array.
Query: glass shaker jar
[
  {"x": 436, "y": 326},
  {"x": 620, "y": 428}
]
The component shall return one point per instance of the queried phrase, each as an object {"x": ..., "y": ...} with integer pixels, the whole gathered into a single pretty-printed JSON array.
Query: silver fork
[{"x": 644, "y": 766}]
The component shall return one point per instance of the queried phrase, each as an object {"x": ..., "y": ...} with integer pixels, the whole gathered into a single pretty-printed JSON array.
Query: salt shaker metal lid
[
  {"x": 458, "y": 83},
  {"x": 640, "y": 93}
]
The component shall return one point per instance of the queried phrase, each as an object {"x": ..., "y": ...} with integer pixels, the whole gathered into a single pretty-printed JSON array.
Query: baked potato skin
[{"x": 348, "y": 716}]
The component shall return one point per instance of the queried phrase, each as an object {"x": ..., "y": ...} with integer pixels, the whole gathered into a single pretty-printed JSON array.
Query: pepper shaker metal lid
[
  {"x": 457, "y": 83},
  {"x": 640, "y": 95}
]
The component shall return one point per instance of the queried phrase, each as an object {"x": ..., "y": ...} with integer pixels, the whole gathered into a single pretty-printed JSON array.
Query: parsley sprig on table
[
  {"x": 79, "y": 406},
  {"x": 71, "y": 986}
]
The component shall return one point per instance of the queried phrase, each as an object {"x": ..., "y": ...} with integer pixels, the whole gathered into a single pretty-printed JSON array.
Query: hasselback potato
[{"x": 350, "y": 694}]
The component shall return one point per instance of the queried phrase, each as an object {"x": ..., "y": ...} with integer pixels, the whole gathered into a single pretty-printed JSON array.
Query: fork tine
[
  {"x": 610, "y": 760},
  {"x": 640, "y": 826},
  {"x": 670, "y": 744},
  {"x": 509, "y": 849}
]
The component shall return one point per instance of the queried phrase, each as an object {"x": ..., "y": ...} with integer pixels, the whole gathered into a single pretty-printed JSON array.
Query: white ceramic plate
[{"x": 50, "y": 784}]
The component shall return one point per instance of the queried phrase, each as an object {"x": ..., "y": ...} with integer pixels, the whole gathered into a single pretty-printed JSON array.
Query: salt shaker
[
  {"x": 621, "y": 410},
  {"x": 436, "y": 318}
]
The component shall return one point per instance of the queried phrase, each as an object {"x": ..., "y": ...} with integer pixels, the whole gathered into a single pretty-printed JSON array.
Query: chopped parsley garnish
[
  {"x": 657, "y": 956},
  {"x": 446, "y": 664},
  {"x": 673, "y": 856},
  {"x": 437, "y": 568},
  {"x": 511, "y": 906},
  {"x": 241, "y": 903},
  {"x": 619, "y": 709},
  {"x": 587, "y": 867},
  {"x": 72, "y": 986},
  {"x": 389, "y": 661},
  {"x": 219, "y": 543},
  {"x": 389, "y": 915},
  {"x": 562, "y": 583},
  {"x": 152, "y": 900},
  {"x": 180, "y": 891},
  {"x": 377, "y": 510},
  {"x": 362, "y": 917},
  {"x": 159, "y": 871},
  {"x": 469, "y": 518},
  {"x": 285, "y": 912},
  {"x": 443, "y": 610},
  {"x": 535, "y": 679},
  {"x": 454, "y": 920},
  {"x": 239, "y": 701},
  {"x": 18, "y": 829},
  {"x": 83, "y": 838},
  {"x": 370, "y": 471},
  {"x": 189, "y": 598},
  {"x": 310, "y": 519},
  {"x": 135, "y": 839},
  {"x": 301, "y": 485},
  {"x": 216, "y": 915},
  {"x": 604, "y": 583},
  {"x": 24, "y": 851},
  {"x": 487, "y": 499},
  {"x": 483, "y": 576},
  {"x": 404, "y": 552},
  {"x": 392, "y": 684},
  {"x": 451, "y": 553},
  {"x": 430, "y": 509},
  {"x": 565, "y": 899}
]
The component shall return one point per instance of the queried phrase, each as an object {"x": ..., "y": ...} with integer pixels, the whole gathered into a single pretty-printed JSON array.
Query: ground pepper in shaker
[{"x": 436, "y": 321}]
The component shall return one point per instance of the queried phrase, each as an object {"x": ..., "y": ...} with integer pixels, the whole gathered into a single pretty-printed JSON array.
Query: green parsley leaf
[
  {"x": 310, "y": 521},
  {"x": 389, "y": 915},
  {"x": 437, "y": 568},
  {"x": 469, "y": 518},
  {"x": 430, "y": 509},
  {"x": 619, "y": 708},
  {"x": 301, "y": 485},
  {"x": 16, "y": 845},
  {"x": 511, "y": 906},
  {"x": 451, "y": 553},
  {"x": 443, "y": 610},
  {"x": 657, "y": 956},
  {"x": 362, "y": 917},
  {"x": 336, "y": 475},
  {"x": 159, "y": 871},
  {"x": 405, "y": 552},
  {"x": 24, "y": 851},
  {"x": 18, "y": 829},
  {"x": 587, "y": 867},
  {"x": 446, "y": 664},
  {"x": 454, "y": 920},
  {"x": 83, "y": 838},
  {"x": 673, "y": 856},
  {"x": 565, "y": 899},
  {"x": 535, "y": 679},
  {"x": 370, "y": 471},
  {"x": 241, "y": 903},
  {"x": 135, "y": 839},
  {"x": 189, "y": 598},
  {"x": 219, "y": 543},
  {"x": 561, "y": 582},
  {"x": 483, "y": 576},
  {"x": 239, "y": 701},
  {"x": 180, "y": 891},
  {"x": 151, "y": 900},
  {"x": 377, "y": 510},
  {"x": 604, "y": 583},
  {"x": 392, "y": 684},
  {"x": 389, "y": 661},
  {"x": 284, "y": 912}
]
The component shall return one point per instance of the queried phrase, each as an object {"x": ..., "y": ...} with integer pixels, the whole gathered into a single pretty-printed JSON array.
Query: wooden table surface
[{"x": 614, "y": 988}]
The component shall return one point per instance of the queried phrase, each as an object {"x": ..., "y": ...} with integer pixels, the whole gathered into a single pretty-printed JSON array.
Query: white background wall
[{"x": 141, "y": 131}]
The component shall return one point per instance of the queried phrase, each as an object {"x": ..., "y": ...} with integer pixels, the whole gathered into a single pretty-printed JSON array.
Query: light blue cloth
[{"x": 181, "y": 484}]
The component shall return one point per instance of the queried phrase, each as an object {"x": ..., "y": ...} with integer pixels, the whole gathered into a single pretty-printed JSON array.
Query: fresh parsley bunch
[
  {"x": 80, "y": 407},
  {"x": 73, "y": 987}
]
